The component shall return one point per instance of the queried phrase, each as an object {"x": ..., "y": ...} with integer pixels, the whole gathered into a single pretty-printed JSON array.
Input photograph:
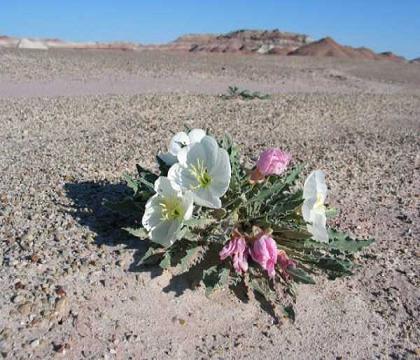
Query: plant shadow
[{"x": 89, "y": 209}]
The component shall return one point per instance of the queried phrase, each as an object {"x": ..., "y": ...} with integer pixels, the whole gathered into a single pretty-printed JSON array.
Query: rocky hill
[
  {"x": 270, "y": 42},
  {"x": 328, "y": 47},
  {"x": 245, "y": 41}
]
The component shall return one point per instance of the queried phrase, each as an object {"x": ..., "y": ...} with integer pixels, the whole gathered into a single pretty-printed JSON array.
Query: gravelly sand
[{"x": 62, "y": 156}]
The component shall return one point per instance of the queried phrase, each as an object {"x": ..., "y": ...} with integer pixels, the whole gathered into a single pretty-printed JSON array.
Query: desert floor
[{"x": 72, "y": 122}]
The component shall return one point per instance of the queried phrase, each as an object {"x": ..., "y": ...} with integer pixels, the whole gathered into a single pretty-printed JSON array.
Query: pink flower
[
  {"x": 238, "y": 250},
  {"x": 284, "y": 261},
  {"x": 271, "y": 162},
  {"x": 264, "y": 252}
]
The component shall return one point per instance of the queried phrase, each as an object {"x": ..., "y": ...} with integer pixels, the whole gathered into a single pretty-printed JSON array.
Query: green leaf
[
  {"x": 342, "y": 242},
  {"x": 300, "y": 275},
  {"x": 139, "y": 232},
  {"x": 166, "y": 261},
  {"x": 336, "y": 267},
  {"x": 151, "y": 256},
  {"x": 131, "y": 183},
  {"x": 278, "y": 186},
  {"x": 210, "y": 279},
  {"x": 198, "y": 223},
  {"x": 186, "y": 261},
  {"x": 289, "y": 312},
  {"x": 331, "y": 213},
  {"x": 146, "y": 177},
  {"x": 262, "y": 287},
  {"x": 215, "y": 278}
]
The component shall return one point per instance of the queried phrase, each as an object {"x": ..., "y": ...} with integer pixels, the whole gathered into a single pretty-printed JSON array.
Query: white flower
[
  {"x": 204, "y": 169},
  {"x": 179, "y": 141},
  {"x": 165, "y": 212},
  {"x": 313, "y": 209}
]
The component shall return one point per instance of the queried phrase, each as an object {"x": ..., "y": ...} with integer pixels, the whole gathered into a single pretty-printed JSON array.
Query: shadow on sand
[{"x": 89, "y": 210}]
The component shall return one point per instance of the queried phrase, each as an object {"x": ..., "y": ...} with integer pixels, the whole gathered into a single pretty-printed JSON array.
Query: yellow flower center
[
  {"x": 319, "y": 204},
  {"x": 171, "y": 209},
  {"x": 201, "y": 174}
]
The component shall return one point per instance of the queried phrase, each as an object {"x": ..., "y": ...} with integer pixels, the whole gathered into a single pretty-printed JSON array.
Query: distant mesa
[
  {"x": 262, "y": 42},
  {"x": 415, "y": 61},
  {"x": 242, "y": 41}
]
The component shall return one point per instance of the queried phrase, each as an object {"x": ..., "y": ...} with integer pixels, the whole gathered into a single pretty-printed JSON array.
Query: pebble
[{"x": 25, "y": 309}]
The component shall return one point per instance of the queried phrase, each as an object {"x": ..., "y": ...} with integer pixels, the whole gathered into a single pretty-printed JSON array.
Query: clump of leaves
[
  {"x": 274, "y": 204},
  {"x": 234, "y": 92}
]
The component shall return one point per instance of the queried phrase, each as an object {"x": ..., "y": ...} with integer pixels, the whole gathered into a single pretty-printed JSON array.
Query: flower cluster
[
  {"x": 199, "y": 173},
  {"x": 240, "y": 227}
]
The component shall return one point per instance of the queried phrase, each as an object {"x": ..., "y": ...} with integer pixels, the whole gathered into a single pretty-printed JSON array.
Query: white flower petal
[
  {"x": 211, "y": 150},
  {"x": 318, "y": 227},
  {"x": 166, "y": 188},
  {"x": 314, "y": 185},
  {"x": 188, "y": 204},
  {"x": 195, "y": 135},
  {"x": 205, "y": 197},
  {"x": 168, "y": 158},
  {"x": 221, "y": 173},
  {"x": 182, "y": 177},
  {"x": 178, "y": 141},
  {"x": 152, "y": 214},
  {"x": 307, "y": 207},
  {"x": 165, "y": 233}
]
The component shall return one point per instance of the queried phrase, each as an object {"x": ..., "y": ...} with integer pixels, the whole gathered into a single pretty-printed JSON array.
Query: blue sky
[{"x": 379, "y": 24}]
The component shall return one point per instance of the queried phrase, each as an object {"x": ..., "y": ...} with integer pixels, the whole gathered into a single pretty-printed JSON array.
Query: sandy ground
[{"x": 71, "y": 285}]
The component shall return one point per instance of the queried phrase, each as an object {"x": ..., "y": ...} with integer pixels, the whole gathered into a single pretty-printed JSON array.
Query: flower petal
[
  {"x": 187, "y": 204},
  {"x": 205, "y": 197},
  {"x": 182, "y": 177},
  {"x": 167, "y": 188},
  {"x": 307, "y": 207},
  {"x": 195, "y": 135},
  {"x": 314, "y": 185},
  {"x": 165, "y": 233},
  {"x": 168, "y": 158},
  {"x": 318, "y": 227},
  {"x": 152, "y": 215},
  {"x": 178, "y": 141},
  {"x": 221, "y": 173}
]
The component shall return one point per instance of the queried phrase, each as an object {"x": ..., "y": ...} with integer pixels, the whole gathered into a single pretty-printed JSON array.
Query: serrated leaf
[
  {"x": 344, "y": 243},
  {"x": 131, "y": 182},
  {"x": 277, "y": 187},
  {"x": 331, "y": 213},
  {"x": 146, "y": 177},
  {"x": 139, "y": 232},
  {"x": 149, "y": 255},
  {"x": 336, "y": 267},
  {"x": 215, "y": 278},
  {"x": 210, "y": 279},
  {"x": 198, "y": 223},
  {"x": 300, "y": 275},
  {"x": 166, "y": 261},
  {"x": 224, "y": 277},
  {"x": 262, "y": 287},
  {"x": 187, "y": 260}
]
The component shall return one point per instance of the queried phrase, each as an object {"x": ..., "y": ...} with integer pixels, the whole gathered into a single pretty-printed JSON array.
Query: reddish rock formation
[
  {"x": 328, "y": 47},
  {"x": 272, "y": 42},
  {"x": 243, "y": 41}
]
